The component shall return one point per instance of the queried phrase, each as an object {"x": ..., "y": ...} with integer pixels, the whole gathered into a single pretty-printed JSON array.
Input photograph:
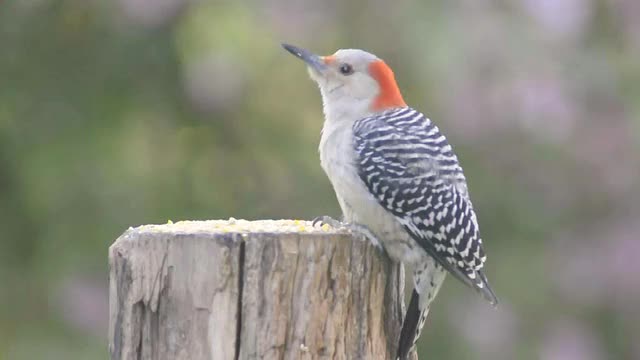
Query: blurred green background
[{"x": 129, "y": 112}]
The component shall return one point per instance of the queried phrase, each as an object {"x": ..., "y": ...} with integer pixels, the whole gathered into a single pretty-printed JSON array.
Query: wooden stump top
[{"x": 237, "y": 289}]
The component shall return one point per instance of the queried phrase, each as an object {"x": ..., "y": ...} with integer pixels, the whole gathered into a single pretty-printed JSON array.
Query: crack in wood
[{"x": 239, "y": 304}]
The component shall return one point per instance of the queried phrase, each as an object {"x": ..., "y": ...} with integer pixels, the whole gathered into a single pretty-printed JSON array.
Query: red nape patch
[{"x": 389, "y": 96}]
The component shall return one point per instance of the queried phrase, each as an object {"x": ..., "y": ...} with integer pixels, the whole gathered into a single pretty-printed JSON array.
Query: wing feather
[{"x": 411, "y": 170}]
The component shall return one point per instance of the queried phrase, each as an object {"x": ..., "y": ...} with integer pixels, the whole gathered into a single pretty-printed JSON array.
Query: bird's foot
[
  {"x": 357, "y": 230},
  {"x": 327, "y": 220},
  {"x": 366, "y": 234}
]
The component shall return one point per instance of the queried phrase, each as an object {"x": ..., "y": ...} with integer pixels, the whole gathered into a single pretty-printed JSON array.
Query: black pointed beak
[{"x": 313, "y": 60}]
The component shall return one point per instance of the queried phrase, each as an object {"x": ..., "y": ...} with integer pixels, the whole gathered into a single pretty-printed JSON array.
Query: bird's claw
[
  {"x": 327, "y": 220},
  {"x": 355, "y": 229}
]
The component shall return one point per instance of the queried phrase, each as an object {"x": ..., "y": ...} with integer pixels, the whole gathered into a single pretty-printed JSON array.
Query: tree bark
[{"x": 251, "y": 290}]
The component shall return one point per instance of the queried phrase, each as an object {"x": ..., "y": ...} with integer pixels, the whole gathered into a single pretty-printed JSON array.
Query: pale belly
[{"x": 358, "y": 205}]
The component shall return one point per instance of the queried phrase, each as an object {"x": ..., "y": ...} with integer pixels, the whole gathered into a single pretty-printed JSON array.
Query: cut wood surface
[{"x": 251, "y": 290}]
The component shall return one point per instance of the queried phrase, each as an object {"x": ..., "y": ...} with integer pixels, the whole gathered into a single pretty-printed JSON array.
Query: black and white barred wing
[{"x": 410, "y": 168}]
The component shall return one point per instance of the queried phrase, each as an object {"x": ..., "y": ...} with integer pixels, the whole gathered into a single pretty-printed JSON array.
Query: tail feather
[
  {"x": 411, "y": 327},
  {"x": 483, "y": 287}
]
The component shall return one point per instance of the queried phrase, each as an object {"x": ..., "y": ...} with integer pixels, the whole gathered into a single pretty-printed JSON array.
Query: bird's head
[{"x": 353, "y": 83}]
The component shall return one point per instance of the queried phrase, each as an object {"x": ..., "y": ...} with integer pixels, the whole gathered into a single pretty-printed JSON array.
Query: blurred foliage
[{"x": 114, "y": 114}]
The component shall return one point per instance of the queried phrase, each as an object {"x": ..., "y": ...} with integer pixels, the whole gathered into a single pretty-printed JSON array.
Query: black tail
[
  {"x": 410, "y": 327},
  {"x": 485, "y": 289}
]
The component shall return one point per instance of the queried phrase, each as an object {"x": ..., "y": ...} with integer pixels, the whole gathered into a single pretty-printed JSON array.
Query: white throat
[{"x": 339, "y": 109}]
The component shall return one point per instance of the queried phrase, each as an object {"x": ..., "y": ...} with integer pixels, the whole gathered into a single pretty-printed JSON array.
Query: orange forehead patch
[
  {"x": 389, "y": 96},
  {"x": 329, "y": 59}
]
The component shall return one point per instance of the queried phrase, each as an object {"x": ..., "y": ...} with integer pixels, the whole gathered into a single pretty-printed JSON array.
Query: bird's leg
[
  {"x": 355, "y": 229},
  {"x": 365, "y": 233}
]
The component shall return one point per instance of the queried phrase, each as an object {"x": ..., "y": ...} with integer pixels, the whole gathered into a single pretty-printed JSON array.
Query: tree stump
[{"x": 251, "y": 290}]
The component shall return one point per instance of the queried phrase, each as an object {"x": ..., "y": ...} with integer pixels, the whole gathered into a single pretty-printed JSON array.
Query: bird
[{"x": 397, "y": 180}]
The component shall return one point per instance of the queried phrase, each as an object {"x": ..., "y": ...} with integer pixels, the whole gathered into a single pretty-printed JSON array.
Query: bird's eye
[{"x": 346, "y": 69}]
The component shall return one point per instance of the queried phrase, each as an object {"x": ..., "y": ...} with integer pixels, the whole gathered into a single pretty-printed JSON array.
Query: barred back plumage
[{"x": 411, "y": 169}]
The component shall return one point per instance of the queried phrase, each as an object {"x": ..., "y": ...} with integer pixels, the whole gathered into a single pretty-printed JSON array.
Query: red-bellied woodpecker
[{"x": 396, "y": 178}]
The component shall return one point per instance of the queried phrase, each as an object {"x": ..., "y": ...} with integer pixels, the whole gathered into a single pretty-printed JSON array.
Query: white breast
[{"x": 338, "y": 159}]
